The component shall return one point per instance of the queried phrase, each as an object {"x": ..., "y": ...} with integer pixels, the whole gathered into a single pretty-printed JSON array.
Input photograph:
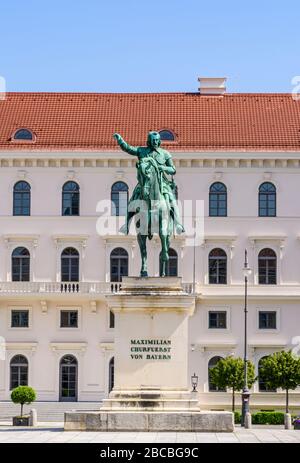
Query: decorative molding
[
  {"x": 216, "y": 346},
  {"x": 93, "y": 306},
  {"x": 229, "y": 239},
  {"x": 106, "y": 346},
  {"x": 21, "y": 346},
  {"x": 63, "y": 346},
  {"x": 119, "y": 239},
  {"x": 71, "y": 240},
  {"x": 62, "y": 239},
  {"x": 13, "y": 239},
  {"x": 22, "y": 174},
  {"x": 278, "y": 238},
  {"x": 44, "y": 307},
  {"x": 71, "y": 174},
  {"x": 267, "y": 175},
  {"x": 218, "y": 176},
  {"x": 119, "y": 174},
  {"x": 269, "y": 345},
  {"x": 275, "y": 240}
]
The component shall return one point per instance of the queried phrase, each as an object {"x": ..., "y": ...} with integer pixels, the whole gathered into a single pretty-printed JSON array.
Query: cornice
[
  {"x": 28, "y": 346},
  {"x": 117, "y": 159},
  {"x": 58, "y": 346}
]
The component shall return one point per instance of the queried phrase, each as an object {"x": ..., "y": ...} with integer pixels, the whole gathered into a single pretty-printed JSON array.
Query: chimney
[{"x": 212, "y": 85}]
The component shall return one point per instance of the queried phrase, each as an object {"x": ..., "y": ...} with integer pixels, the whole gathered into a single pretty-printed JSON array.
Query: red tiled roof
[{"x": 86, "y": 121}]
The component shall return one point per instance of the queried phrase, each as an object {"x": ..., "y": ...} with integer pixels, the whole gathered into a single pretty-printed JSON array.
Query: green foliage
[
  {"x": 229, "y": 372},
  {"x": 281, "y": 369},
  {"x": 23, "y": 395},
  {"x": 237, "y": 417},
  {"x": 268, "y": 418}
]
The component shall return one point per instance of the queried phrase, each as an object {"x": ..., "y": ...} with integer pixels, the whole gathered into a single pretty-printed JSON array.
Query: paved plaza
[{"x": 54, "y": 433}]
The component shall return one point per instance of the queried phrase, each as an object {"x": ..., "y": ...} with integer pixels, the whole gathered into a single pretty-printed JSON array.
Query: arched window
[
  {"x": 262, "y": 386},
  {"x": 267, "y": 267},
  {"x": 118, "y": 264},
  {"x": 212, "y": 363},
  {"x": 166, "y": 135},
  {"x": 68, "y": 379},
  {"x": 267, "y": 200},
  {"x": 70, "y": 198},
  {"x": 119, "y": 198},
  {"x": 217, "y": 264},
  {"x": 18, "y": 371},
  {"x": 20, "y": 264},
  {"x": 70, "y": 265},
  {"x": 172, "y": 264},
  {"x": 218, "y": 200},
  {"x": 21, "y": 202},
  {"x": 111, "y": 374},
  {"x": 23, "y": 134}
]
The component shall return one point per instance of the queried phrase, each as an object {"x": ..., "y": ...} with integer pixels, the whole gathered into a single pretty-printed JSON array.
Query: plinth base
[
  {"x": 150, "y": 400},
  {"x": 149, "y": 421}
]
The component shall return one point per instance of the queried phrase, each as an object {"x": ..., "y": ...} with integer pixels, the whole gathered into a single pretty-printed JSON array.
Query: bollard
[
  {"x": 33, "y": 417},
  {"x": 287, "y": 421},
  {"x": 248, "y": 421}
]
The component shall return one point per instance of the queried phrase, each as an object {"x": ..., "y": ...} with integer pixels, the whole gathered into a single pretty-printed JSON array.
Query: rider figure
[{"x": 152, "y": 156}]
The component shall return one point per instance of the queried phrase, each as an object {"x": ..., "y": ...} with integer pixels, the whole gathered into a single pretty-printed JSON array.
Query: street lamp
[
  {"x": 246, "y": 393},
  {"x": 194, "y": 379}
]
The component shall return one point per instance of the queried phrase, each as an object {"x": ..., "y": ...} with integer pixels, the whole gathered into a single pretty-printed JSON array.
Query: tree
[
  {"x": 229, "y": 372},
  {"x": 23, "y": 395},
  {"x": 281, "y": 369}
]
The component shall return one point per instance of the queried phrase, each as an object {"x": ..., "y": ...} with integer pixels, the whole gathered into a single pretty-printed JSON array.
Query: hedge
[
  {"x": 268, "y": 418},
  {"x": 262, "y": 417}
]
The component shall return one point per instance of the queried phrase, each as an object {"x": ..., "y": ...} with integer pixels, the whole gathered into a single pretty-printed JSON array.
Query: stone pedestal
[
  {"x": 151, "y": 382},
  {"x": 151, "y": 345}
]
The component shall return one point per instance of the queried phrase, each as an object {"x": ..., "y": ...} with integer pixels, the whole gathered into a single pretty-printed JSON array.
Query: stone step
[
  {"x": 151, "y": 404},
  {"x": 150, "y": 409}
]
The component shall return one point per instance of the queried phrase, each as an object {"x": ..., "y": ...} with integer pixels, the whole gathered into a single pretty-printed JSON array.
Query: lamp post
[
  {"x": 194, "y": 379},
  {"x": 246, "y": 392}
]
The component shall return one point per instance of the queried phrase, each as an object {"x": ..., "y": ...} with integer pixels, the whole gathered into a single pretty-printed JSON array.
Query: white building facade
[{"x": 55, "y": 268}]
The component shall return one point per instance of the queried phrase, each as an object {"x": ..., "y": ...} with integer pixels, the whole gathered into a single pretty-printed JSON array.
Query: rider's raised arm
[{"x": 125, "y": 146}]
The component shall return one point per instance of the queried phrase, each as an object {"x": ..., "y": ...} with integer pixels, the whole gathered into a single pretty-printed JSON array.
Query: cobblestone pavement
[{"x": 54, "y": 433}]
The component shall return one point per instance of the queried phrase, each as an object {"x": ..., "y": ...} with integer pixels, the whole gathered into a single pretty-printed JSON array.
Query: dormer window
[
  {"x": 23, "y": 135},
  {"x": 166, "y": 135}
]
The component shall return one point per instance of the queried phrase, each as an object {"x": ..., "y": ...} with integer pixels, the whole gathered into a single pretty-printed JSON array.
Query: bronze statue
[{"x": 154, "y": 198}]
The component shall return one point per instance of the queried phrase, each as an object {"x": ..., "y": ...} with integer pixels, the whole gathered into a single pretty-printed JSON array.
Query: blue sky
[{"x": 148, "y": 46}]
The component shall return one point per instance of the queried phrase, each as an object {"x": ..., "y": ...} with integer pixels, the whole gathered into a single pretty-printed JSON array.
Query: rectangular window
[
  {"x": 69, "y": 318},
  {"x": 111, "y": 319},
  {"x": 217, "y": 319},
  {"x": 267, "y": 320},
  {"x": 20, "y": 318}
]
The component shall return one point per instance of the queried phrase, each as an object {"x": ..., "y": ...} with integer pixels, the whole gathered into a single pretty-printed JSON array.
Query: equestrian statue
[{"x": 154, "y": 199}]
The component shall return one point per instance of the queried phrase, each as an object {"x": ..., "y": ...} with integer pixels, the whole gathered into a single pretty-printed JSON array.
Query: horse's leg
[
  {"x": 164, "y": 255},
  {"x": 143, "y": 250}
]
